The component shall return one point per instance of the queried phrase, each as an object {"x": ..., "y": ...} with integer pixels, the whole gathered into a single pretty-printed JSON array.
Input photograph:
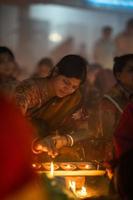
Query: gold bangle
[{"x": 71, "y": 139}]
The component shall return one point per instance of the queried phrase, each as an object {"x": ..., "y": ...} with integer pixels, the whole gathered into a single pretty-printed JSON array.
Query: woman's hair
[
  {"x": 120, "y": 63},
  {"x": 124, "y": 175},
  {"x": 6, "y": 54},
  {"x": 72, "y": 66}
]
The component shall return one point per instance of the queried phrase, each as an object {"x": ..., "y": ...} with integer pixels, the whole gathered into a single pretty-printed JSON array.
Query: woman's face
[
  {"x": 126, "y": 76},
  {"x": 65, "y": 86}
]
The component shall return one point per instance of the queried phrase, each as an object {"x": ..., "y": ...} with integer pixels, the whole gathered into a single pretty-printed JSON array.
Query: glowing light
[
  {"x": 33, "y": 165},
  {"x": 68, "y": 166},
  {"x": 55, "y": 37},
  {"x": 51, "y": 174},
  {"x": 52, "y": 169},
  {"x": 82, "y": 193},
  {"x": 112, "y": 3},
  {"x": 72, "y": 186}
]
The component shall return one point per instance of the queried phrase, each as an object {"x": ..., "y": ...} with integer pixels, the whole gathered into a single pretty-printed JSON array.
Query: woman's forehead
[{"x": 71, "y": 79}]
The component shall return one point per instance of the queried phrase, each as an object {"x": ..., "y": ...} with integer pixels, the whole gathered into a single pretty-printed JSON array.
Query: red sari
[{"x": 123, "y": 137}]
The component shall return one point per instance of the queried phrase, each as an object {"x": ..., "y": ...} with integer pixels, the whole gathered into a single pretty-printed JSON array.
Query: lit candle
[
  {"x": 51, "y": 174},
  {"x": 72, "y": 186},
  {"x": 52, "y": 170}
]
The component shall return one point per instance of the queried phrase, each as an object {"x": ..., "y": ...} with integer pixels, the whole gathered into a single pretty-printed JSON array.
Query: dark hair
[
  {"x": 73, "y": 66},
  {"x": 106, "y": 28},
  {"x": 130, "y": 22},
  {"x": 45, "y": 61},
  {"x": 124, "y": 175},
  {"x": 120, "y": 63},
  {"x": 6, "y": 54}
]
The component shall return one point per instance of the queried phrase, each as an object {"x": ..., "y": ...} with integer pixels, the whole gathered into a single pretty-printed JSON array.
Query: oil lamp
[{"x": 68, "y": 166}]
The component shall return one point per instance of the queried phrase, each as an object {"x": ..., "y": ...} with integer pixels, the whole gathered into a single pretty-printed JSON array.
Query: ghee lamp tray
[{"x": 70, "y": 168}]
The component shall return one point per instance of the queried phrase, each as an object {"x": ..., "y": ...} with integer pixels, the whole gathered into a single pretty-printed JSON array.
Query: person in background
[
  {"x": 82, "y": 51},
  {"x": 91, "y": 93},
  {"x": 47, "y": 102},
  {"x": 123, "y": 137},
  {"x": 8, "y": 71},
  {"x": 44, "y": 67},
  {"x": 112, "y": 105},
  {"x": 105, "y": 80},
  {"x": 104, "y": 48},
  {"x": 124, "y": 40}
]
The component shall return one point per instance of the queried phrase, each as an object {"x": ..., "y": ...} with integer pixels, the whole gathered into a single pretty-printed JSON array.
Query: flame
[
  {"x": 87, "y": 166},
  {"x": 68, "y": 166},
  {"x": 33, "y": 165},
  {"x": 72, "y": 186},
  {"x": 51, "y": 169},
  {"x": 82, "y": 193}
]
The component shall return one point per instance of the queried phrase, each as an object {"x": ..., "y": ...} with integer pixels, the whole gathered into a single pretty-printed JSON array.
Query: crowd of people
[{"x": 69, "y": 111}]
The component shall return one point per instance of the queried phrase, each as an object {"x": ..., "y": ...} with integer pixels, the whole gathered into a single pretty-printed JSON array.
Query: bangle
[
  {"x": 71, "y": 140},
  {"x": 33, "y": 148}
]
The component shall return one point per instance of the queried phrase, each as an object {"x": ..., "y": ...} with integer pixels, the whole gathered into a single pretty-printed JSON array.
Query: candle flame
[
  {"x": 51, "y": 169},
  {"x": 87, "y": 166},
  {"x": 68, "y": 166},
  {"x": 83, "y": 191},
  {"x": 72, "y": 185}
]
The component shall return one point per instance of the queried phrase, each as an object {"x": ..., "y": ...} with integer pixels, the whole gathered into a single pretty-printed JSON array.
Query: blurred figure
[
  {"x": 91, "y": 92},
  {"x": 123, "y": 137},
  {"x": 16, "y": 173},
  {"x": 82, "y": 51},
  {"x": 124, "y": 176},
  {"x": 112, "y": 104},
  {"x": 8, "y": 71},
  {"x": 43, "y": 68},
  {"x": 105, "y": 80},
  {"x": 18, "y": 179},
  {"x": 104, "y": 48},
  {"x": 124, "y": 41}
]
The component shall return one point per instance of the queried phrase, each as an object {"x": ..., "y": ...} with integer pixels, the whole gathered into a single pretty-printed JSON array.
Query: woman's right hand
[{"x": 46, "y": 145}]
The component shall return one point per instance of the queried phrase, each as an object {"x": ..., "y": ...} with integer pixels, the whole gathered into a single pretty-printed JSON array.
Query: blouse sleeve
[{"x": 27, "y": 95}]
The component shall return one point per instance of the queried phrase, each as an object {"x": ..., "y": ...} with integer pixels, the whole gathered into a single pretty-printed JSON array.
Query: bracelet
[
  {"x": 33, "y": 149},
  {"x": 71, "y": 140}
]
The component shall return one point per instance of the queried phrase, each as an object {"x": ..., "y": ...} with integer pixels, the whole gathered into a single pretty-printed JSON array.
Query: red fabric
[
  {"x": 15, "y": 149},
  {"x": 123, "y": 138}
]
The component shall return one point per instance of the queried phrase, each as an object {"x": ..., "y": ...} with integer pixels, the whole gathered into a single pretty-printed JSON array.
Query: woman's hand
[{"x": 50, "y": 144}]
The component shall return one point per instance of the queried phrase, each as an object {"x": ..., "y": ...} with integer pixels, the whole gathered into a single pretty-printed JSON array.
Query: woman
[
  {"x": 48, "y": 102},
  {"x": 113, "y": 103}
]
